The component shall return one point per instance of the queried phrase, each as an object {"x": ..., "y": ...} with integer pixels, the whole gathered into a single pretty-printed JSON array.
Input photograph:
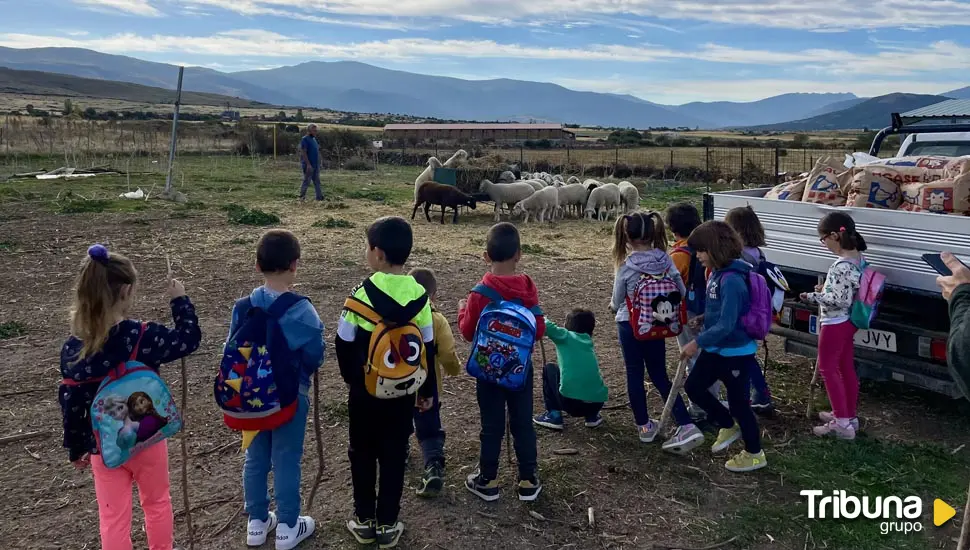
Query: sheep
[
  {"x": 573, "y": 179},
  {"x": 591, "y": 182},
  {"x": 526, "y": 176},
  {"x": 539, "y": 203},
  {"x": 573, "y": 195},
  {"x": 506, "y": 177},
  {"x": 505, "y": 193},
  {"x": 629, "y": 197},
  {"x": 444, "y": 195},
  {"x": 721, "y": 181},
  {"x": 558, "y": 178},
  {"x": 426, "y": 176},
  {"x": 538, "y": 185},
  {"x": 459, "y": 158},
  {"x": 602, "y": 200}
]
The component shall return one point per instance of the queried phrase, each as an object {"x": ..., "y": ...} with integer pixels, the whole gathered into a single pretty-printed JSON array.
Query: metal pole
[
  {"x": 671, "y": 158},
  {"x": 777, "y": 164},
  {"x": 175, "y": 127},
  {"x": 741, "y": 171},
  {"x": 274, "y": 142},
  {"x": 707, "y": 162}
]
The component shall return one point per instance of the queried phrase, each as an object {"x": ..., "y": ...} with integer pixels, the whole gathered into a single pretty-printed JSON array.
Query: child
[
  {"x": 381, "y": 427},
  {"x": 746, "y": 223},
  {"x": 575, "y": 386},
  {"x": 281, "y": 450},
  {"x": 683, "y": 218},
  {"x": 640, "y": 249},
  {"x": 102, "y": 337},
  {"x": 836, "y": 347},
  {"x": 726, "y": 350},
  {"x": 427, "y": 424},
  {"x": 502, "y": 254}
]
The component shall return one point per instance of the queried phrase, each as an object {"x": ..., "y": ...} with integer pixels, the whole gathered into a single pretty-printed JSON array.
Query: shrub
[
  {"x": 243, "y": 216},
  {"x": 333, "y": 223},
  {"x": 357, "y": 163},
  {"x": 12, "y": 329},
  {"x": 82, "y": 206}
]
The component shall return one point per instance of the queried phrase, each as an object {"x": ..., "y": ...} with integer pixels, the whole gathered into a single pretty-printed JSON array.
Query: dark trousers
[
  {"x": 555, "y": 401},
  {"x": 649, "y": 356},
  {"x": 492, "y": 403},
  {"x": 735, "y": 373},
  {"x": 431, "y": 436},
  {"x": 379, "y": 433},
  {"x": 313, "y": 174}
]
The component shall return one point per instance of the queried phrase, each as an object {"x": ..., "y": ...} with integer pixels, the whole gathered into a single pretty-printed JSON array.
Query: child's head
[
  {"x": 581, "y": 320},
  {"x": 682, "y": 219},
  {"x": 277, "y": 255},
  {"x": 837, "y": 232},
  {"x": 425, "y": 277},
  {"x": 105, "y": 291},
  {"x": 502, "y": 245},
  {"x": 743, "y": 220},
  {"x": 389, "y": 242},
  {"x": 716, "y": 243},
  {"x": 637, "y": 230}
]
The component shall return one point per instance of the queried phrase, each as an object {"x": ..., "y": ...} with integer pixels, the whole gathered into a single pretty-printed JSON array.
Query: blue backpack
[
  {"x": 258, "y": 381},
  {"x": 696, "y": 282},
  {"x": 132, "y": 410},
  {"x": 502, "y": 347}
]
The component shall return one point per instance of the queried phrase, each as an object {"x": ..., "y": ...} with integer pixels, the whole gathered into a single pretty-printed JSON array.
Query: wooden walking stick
[
  {"x": 810, "y": 409},
  {"x": 184, "y": 438},
  {"x": 318, "y": 432},
  {"x": 674, "y": 392},
  {"x": 964, "y": 542}
]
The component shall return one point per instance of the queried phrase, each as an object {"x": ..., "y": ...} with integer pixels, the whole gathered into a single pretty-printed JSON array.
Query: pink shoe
[
  {"x": 833, "y": 428},
  {"x": 829, "y": 416}
]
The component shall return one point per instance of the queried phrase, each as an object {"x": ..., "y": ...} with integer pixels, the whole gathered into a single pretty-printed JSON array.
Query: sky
[{"x": 666, "y": 51}]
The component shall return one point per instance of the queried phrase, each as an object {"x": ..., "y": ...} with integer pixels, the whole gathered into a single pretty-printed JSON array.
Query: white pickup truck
[{"x": 907, "y": 342}]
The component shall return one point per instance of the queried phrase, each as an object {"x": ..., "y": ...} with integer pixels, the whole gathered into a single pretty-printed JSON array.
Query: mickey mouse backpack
[
  {"x": 132, "y": 410},
  {"x": 657, "y": 310}
]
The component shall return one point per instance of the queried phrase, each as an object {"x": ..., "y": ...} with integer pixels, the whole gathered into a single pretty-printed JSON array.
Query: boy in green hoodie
[{"x": 574, "y": 386}]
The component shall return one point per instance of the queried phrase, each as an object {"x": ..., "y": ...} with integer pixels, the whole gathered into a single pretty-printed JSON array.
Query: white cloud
[
  {"x": 255, "y": 7},
  {"x": 134, "y": 7}
]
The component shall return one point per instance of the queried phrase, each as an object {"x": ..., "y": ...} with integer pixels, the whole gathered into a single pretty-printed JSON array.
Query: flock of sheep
[{"x": 542, "y": 196}]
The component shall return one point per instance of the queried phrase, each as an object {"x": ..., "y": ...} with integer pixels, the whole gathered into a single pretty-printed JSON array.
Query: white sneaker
[
  {"x": 288, "y": 537},
  {"x": 258, "y": 530},
  {"x": 828, "y": 416}
]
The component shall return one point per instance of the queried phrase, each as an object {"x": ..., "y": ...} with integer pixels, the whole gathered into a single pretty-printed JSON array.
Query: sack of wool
[
  {"x": 957, "y": 167},
  {"x": 946, "y": 196},
  {"x": 931, "y": 168},
  {"x": 875, "y": 187},
  {"x": 826, "y": 182},
  {"x": 788, "y": 191}
]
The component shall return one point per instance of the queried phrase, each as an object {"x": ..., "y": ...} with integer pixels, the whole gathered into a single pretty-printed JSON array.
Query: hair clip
[
  {"x": 98, "y": 252},
  {"x": 842, "y": 229}
]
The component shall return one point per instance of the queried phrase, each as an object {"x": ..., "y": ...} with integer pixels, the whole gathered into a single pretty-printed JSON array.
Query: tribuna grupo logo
[{"x": 898, "y": 514}]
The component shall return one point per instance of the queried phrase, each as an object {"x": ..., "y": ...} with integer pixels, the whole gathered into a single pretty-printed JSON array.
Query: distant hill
[
  {"x": 766, "y": 111},
  {"x": 962, "y": 93},
  {"x": 837, "y": 106},
  {"x": 871, "y": 113},
  {"x": 40, "y": 83}
]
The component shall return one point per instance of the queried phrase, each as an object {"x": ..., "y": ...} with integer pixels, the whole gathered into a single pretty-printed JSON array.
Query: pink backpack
[
  {"x": 871, "y": 286},
  {"x": 658, "y": 310}
]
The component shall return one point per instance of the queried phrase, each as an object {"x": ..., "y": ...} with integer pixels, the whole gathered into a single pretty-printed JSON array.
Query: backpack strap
[
  {"x": 117, "y": 370},
  {"x": 134, "y": 350},
  {"x": 495, "y": 298},
  {"x": 283, "y": 303}
]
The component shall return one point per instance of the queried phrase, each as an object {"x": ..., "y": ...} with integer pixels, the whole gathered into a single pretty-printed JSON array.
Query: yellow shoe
[
  {"x": 746, "y": 462},
  {"x": 725, "y": 437}
]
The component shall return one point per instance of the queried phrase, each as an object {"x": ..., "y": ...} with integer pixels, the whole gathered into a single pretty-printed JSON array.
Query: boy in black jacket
[{"x": 380, "y": 427}]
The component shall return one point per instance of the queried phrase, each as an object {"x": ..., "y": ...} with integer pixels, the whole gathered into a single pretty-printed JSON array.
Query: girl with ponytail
[
  {"x": 836, "y": 347},
  {"x": 640, "y": 249}
]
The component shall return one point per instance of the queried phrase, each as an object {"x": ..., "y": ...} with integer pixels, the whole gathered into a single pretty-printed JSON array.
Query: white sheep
[
  {"x": 457, "y": 159},
  {"x": 629, "y": 197},
  {"x": 538, "y": 204},
  {"x": 573, "y": 195},
  {"x": 602, "y": 201},
  {"x": 573, "y": 179},
  {"x": 505, "y": 193},
  {"x": 538, "y": 185},
  {"x": 526, "y": 176},
  {"x": 591, "y": 182},
  {"x": 426, "y": 176},
  {"x": 558, "y": 178},
  {"x": 506, "y": 177}
]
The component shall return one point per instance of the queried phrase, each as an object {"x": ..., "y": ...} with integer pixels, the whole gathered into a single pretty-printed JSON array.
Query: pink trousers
[
  {"x": 149, "y": 470},
  {"x": 836, "y": 364}
]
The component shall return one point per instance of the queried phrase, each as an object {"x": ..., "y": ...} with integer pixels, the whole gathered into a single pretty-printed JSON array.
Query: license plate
[{"x": 873, "y": 339}]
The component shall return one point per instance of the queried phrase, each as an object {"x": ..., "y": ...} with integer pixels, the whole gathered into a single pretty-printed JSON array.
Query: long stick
[
  {"x": 810, "y": 409},
  {"x": 185, "y": 458},
  {"x": 964, "y": 542},
  {"x": 674, "y": 393},
  {"x": 318, "y": 431},
  {"x": 175, "y": 127}
]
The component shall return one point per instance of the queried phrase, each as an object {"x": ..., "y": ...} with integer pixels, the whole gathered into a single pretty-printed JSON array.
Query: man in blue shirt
[{"x": 310, "y": 162}]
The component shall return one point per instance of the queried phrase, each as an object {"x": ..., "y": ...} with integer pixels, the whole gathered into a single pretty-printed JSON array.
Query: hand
[
  {"x": 83, "y": 462},
  {"x": 961, "y": 275},
  {"x": 176, "y": 289},
  {"x": 424, "y": 404},
  {"x": 696, "y": 323},
  {"x": 804, "y": 297},
  {"x": 689, "y": 350},
  {"x": 819, "y": 287},
  {"x": 461, "y": 304}
]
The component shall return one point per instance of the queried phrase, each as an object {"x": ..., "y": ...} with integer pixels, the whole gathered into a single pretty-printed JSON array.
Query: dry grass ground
[{"x": 642, "y": 497}]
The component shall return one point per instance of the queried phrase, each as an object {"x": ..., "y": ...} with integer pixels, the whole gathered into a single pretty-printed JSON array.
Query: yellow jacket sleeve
[{"x": 447, "y": 356}]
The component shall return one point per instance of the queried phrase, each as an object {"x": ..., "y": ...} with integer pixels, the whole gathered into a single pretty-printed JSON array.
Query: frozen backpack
[
  {"x": 502, "y": 347},
  {"x": 132, "y": 410},
  {"x": 866, "y": 304},
  {"x": 757, "y": 320},
  {"x": 397, "y": 361},
  {"x": 696, "y": 282},
  {"x": 258, "y": 380},
  {"x": 657, "y": 309}
]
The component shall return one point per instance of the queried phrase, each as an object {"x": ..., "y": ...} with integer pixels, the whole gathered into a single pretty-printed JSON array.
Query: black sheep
[{"x": 445, "y": 195}]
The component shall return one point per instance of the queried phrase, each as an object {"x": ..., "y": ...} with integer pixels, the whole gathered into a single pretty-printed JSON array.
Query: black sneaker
[
  {"x": 529, "y": 489},
  {"x": 432, "y": 481},
  {"x": 363, "y": 531},
  {"x": 389, "y": 535},
  {"x": 484, "y": 489}
]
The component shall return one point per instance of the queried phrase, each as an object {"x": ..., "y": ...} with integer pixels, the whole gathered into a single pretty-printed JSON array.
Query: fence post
[
  {"x": 707, "y": 163},
  {"x": 741, "y": 171},
  {"x": 567, "y": 156},
  {"x": 436, "y": 148},
  {"x": 616, "y": 158},
  {"x": 804, "y": 158},
  {"x": 521, "y": 157},
  {"x": 777, "y": 164},
  {"x": 671, "y": 158}
]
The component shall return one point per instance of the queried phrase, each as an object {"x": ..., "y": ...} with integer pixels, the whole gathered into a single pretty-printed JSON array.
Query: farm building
[{"x": 505, "y": 133}]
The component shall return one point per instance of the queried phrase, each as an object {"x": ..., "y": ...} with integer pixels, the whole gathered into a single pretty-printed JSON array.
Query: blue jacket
[
  {"x": 728, "y": 298},
  {"x": 302, "y": 327}
]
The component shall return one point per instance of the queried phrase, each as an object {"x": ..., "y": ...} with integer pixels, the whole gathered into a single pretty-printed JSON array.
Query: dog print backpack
[
  {"x": 657, "y": 309},
  {"x": 502, "y": 347},
  {"x": 397, "y": 361},
  {"x": 132, "y": 410}
]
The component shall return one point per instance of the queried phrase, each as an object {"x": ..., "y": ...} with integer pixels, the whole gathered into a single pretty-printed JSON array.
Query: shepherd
[{"x": 310, "y": 162}]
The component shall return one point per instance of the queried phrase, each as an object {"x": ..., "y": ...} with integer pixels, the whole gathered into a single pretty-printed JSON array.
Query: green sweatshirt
[
  {"x": 958, "y": 347},
  {"x": 580, "y": 376}
]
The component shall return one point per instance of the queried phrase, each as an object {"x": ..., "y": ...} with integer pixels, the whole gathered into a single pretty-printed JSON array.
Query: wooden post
[
  {"x": 671, "y": 158},
  {"x": 964, "y": 542},
  {"x": 616, "y": 159},
  {"x": 567, "y": 156},
  {"x": 175, "y": 127},
  {"x": 777, "y": 164},
  {"x": 274, "y": 142},
  {"x": 741, "y": 171},
  {"x": 707, "y": 164},
  {"x": 521, "y": 157}
]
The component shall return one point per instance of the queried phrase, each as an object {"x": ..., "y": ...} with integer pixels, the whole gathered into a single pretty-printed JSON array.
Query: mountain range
[{"x": 358, "y": 87}]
